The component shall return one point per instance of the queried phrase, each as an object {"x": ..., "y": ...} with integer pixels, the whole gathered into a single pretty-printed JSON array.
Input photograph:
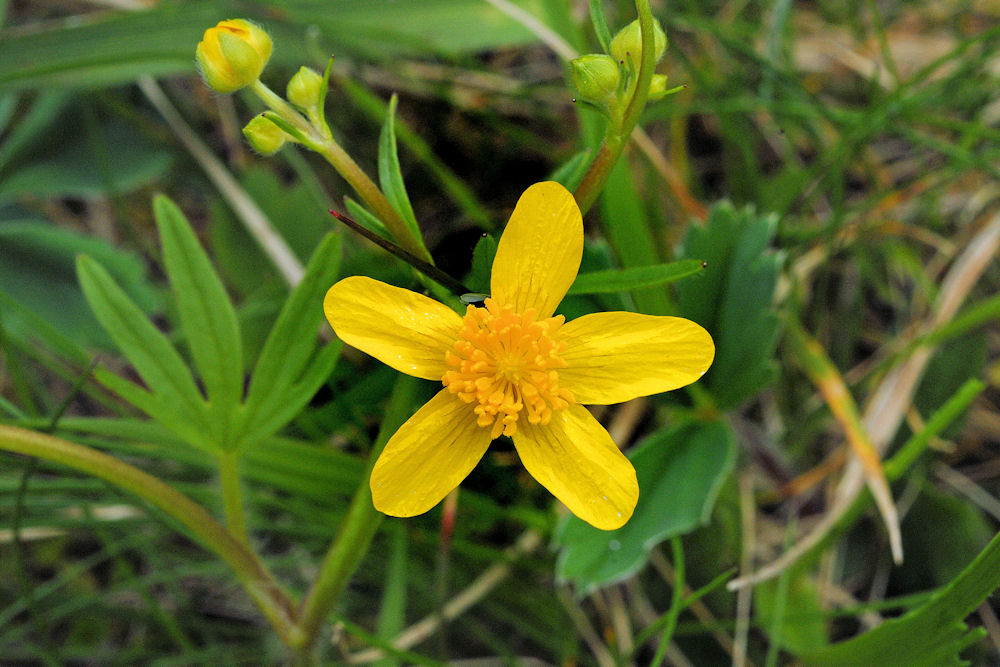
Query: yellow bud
[
  {"x": 305, "y": 88},
  {"x": 264, "y": 136},
  {"x": 626, "y": 46},
  {"x": 232, "y": 55},
  {"x": 595, "y": 76}
]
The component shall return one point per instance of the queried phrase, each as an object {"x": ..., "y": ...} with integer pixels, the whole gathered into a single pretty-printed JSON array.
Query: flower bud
[
  {"x": 626, "y": 46},
  {"x": 232, "y": 55},
  {"x": 264, "y": 136},
  {"x": 305, "y": 88},
  {"x": 658, "y": 87},
  {"x": 595, "y": 76}
]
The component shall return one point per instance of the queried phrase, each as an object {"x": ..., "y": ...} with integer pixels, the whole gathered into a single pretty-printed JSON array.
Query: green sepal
[
  {"x": 482, "y": 264},
  {"x": 155, "y": 360},
  {"x": 287, "y": 127},
  {"x": 278, "y": 388},
  {"x": 389, "y": 175},
  {"x": 207, "y": 317},
  {"x": 623, "y": 280}
]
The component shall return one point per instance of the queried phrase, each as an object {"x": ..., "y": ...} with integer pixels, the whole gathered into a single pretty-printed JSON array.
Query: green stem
[
  {"x": 324, "y": 144},
  {"x": 616, "y": 137},
  {"x": 357, "y": 529},
  {"x": 232, "y": 496},
  {"x": 256, "y": 579}
]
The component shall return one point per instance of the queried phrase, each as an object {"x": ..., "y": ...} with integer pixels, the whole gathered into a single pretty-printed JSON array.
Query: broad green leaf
[
  {"x": 115, "y": 48},
  {"x": 621, "y": 280},
  {"x": 72, "y": 147},
  {"x": 389, "y": 175},
  {"x": 733, "y": 298},
  {"x": 206, "y": 315},
  {"x": 38, "y": 271},
  {"x": 932, "y": 634},
  {"x": 154, "y": 358},
  {"x": 680, "y": 472},
  {"x": 802, "y": 625}
]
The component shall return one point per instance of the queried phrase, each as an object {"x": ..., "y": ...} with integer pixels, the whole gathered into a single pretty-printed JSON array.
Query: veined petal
[
  {"x": 539, "y": 252},
  {"x": 574, "y": 457},
  {"x": 615, "y": 357},
  {"x": 428, "y": 456},
  {"x": 408, "y": 331}
]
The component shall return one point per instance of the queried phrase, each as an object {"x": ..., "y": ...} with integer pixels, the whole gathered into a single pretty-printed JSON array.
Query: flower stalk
[{"x": 618, "y": 131}]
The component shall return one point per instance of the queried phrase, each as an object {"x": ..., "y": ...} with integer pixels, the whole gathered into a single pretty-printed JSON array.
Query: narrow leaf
[
  {"x": 623, "y": 280},
  {"x": 150, "y": 353},
  {"x": 366, "y": 218},
  {"x": 389, "y": 175},
  {"x": 206, "y": 313},
  {"x": 600, "y": 25}
]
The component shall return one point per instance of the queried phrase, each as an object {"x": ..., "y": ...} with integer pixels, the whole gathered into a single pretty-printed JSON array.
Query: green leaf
[
  {"x": 39, "y": 272},
  {"x": 366, "y": 218},
  {"x": 680, "y": 472},
  {"x": 73, "y": 147},
  {"x": 389, "y": 175},
  {"x": 206, "y": 315},
  {"x": 154, "y": 358},
  {"x": 628, "y": 230},
  {"x": 482, "y": 264},
  {"x": 600, "y": 25},
  {"x": 733, "y": 299},
  {"x": 623, "y": 280},
  {"x": 802, "y": 624},
  {"x": 930, "y": 635},
  {"x": 277, "y": 392},
  {"x": 113, "y": 48}
]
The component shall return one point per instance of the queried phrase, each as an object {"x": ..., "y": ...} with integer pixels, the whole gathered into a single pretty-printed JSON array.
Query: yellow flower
[
  {"x": 513, "y": 368},
  {"x": 232, "y": 55}
]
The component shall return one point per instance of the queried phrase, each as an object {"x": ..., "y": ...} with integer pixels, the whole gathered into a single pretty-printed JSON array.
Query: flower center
[{"x": 505, "y": 363}]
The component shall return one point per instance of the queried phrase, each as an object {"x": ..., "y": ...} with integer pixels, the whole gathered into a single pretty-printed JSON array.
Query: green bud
[
  {"x": 595, "y": 76},
  {"x": 626, "y": 46},
  {"x": 264, "y": 136},
  {"x": 305, "y": 88},
  {"x": 657, "y": 87},
  {"x": 232, "y": 55}
]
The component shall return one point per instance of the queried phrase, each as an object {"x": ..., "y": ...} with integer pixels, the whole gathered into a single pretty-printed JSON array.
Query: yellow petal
[
  {"x": 428, "y": 456},
  {"x": 615, "y": 357},
  {"x": 574, "y": 457},
  {"x": 403, "y": 329},
  {"x": 539, "y": 253}
]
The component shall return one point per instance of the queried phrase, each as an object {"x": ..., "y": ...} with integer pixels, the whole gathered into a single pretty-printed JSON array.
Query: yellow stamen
[{"x": 505, "y": 363}]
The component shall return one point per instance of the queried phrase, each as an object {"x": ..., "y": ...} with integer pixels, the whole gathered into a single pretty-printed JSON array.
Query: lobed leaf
[
  {"x": 147, "y": 349},
  {"x": 733, "y": 298}
]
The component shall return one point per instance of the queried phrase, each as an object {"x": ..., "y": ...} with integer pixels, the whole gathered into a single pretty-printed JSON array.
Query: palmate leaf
[
  {"x": 680, "y": 471},
  {"x": 150, "y": 353},
  {"x": 732, "y": 299},
  {"x": 207, "y": 317},
  {"x": 278, "y": 389},
  {"x": 930, "y": 635}
]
